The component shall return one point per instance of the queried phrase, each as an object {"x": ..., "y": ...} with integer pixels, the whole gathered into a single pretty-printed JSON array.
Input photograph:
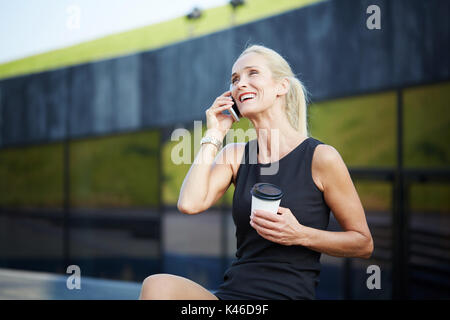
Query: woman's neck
[{"x": 276, "y": 137}]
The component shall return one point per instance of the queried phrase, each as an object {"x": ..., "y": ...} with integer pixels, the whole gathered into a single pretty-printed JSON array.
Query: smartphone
[{"x": 234, "y": 111}]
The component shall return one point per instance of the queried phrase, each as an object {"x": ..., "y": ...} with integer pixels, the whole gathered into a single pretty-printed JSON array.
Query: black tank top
[{"x": 264, "y": 269}]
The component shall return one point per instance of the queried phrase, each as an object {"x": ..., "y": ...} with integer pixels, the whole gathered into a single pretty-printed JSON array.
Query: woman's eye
[{"x": 253, "y": 72}]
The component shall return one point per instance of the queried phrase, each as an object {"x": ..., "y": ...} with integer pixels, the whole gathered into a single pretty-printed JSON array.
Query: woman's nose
[{"x": 240, "y": 84}]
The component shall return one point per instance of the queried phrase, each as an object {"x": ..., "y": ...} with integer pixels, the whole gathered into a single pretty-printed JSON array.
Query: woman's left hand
[{"x": 282, "y": 228}]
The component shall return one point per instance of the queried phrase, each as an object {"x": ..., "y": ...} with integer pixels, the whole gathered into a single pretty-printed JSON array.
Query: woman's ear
[{"x": 283, "y": 86}]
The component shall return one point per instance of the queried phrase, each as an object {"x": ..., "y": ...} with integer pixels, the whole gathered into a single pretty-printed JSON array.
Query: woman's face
[{"x": 253, "y": 87}]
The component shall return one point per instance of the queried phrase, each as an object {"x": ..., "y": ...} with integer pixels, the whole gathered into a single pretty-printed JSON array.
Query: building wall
[{"x": 327, "y": 44}]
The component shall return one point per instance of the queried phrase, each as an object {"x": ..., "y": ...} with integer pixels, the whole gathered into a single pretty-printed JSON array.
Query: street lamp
[{"x": 193, "y": 16}]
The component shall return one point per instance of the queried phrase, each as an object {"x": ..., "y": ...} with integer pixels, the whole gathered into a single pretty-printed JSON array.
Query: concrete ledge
[{"x": 29, "y": 285}]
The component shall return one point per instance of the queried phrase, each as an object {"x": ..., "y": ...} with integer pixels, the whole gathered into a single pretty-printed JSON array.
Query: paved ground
[{"x": 27, "y": 285}]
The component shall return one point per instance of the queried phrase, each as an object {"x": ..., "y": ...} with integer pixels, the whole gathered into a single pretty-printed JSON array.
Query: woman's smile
[{"x": 246, "y": 96}]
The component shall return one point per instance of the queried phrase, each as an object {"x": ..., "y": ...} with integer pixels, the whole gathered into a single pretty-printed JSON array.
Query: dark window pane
[
  {"x": 426, "y": 125},
  {"x": 32, "y": 176},
  {"x": 361, "y": 128},
  {"x": 116, "y": 171}
]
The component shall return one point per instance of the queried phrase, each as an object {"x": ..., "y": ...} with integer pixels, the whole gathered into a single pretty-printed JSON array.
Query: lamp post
[
  {"x": 234, "y": 5},
  {"x": 193, "y": 16}
]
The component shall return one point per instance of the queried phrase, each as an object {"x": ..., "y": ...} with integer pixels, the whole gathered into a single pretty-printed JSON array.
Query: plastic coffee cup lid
[{"x": 266, "y": 191}]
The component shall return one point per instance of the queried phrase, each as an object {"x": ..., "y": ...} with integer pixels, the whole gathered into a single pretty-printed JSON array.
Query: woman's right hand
[{"x": 216, "y": 121}]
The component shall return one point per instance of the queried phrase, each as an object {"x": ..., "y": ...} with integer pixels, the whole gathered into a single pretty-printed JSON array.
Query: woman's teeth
[{"x": 247, "y": 96}]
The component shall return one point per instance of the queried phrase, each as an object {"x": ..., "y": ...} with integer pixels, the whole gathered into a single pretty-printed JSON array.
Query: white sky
[{"x": 29, "y": 27}]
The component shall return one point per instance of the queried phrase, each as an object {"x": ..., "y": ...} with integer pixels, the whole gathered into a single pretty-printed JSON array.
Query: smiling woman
[{"x": 278, "y": 255}]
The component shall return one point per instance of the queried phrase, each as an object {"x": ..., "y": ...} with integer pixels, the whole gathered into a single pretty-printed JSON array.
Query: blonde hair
[{"x": 296, "y": 102}]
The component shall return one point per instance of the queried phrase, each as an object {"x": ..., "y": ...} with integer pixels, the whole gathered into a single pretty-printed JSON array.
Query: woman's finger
[
  {"x": 226, "y": 94},
  {"x": 222, "y": 100},
  {"x": 228, "y": 105},
  {"x": 264, "y": 232},
  {"x": 264, "y": 223},
  {"x": 267, "y": 215},
  {"x": 283, "y": 210},
  {"x": 220, "y": 108}
]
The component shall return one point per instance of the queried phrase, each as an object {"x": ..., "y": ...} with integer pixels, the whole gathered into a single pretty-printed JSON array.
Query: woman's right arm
[{"x": 209, "y": 176}]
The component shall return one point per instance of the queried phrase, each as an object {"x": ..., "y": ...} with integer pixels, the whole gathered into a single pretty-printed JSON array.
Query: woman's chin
[{"x": 248, "y": 111}]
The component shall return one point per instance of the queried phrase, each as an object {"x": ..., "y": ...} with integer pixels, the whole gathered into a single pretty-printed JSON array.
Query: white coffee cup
[{"x": 266, "y": 196}]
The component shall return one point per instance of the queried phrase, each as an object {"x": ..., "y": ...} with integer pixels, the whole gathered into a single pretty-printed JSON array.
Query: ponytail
[{"x": 296, "y": 109}]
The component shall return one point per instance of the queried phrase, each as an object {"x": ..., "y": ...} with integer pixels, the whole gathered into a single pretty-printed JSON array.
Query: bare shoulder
[
  {"x": 325, "y": 155},
  {"x": 326, "y": 161}
]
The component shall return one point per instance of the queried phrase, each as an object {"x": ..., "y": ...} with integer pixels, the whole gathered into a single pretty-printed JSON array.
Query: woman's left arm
[{"x": 341, "y": 196}]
